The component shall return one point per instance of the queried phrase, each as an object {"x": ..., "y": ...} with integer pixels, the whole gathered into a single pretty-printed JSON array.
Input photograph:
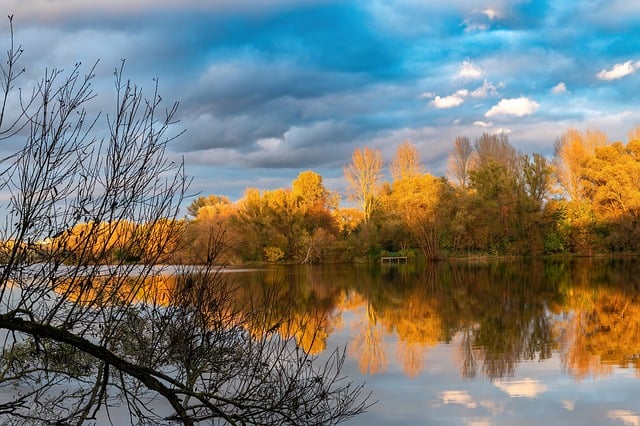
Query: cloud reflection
[
  {"x": 628, "y": 417},
  {"x": 526, "y": 388},
  {"x": 458, "y": 397}
]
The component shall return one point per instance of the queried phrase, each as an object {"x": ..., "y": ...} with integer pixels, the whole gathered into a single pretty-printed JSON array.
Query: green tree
[{"x": 536, "y": 173}]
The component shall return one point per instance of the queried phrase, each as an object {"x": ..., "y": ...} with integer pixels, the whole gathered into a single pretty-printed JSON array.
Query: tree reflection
[
  {"x": 602, "y": 327},
  {"x": 368, "y": 342},
  {"x": 496, "y": 314}
]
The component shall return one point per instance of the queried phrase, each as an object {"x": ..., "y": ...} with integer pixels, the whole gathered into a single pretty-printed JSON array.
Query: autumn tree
[
  {"x": 309, "y": 190},
  {"x": 460, "y": 161},
  {"x": 82, "y": 338},
  {"x": 214, "y": 203},
  {"x": 612, "y": 180},
  {"x": 424, "y": 203},
  {"x": 363, "y": 175},
  {"x": 317, "y": 206},
  {"x": 497, "y": 148},
  {"x": 571, "y": 150},
  {"x": 406, "y": 164}
]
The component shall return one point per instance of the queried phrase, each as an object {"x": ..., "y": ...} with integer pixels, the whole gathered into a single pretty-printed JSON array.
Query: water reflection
[
  {"x": 497, "y": 315},
  {"x": 502, "y": 314}
]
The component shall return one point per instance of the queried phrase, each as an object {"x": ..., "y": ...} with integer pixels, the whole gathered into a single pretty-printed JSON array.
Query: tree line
[{"x": 495, "y": 200}]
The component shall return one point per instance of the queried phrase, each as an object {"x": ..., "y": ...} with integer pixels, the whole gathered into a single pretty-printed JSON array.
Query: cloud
[
  {"x": 49, "y": 11},
  {"x": 628, "y": 417},
  {"x": 458, "y": 98},
  {"x": 480, "y": 20},
  {"x": 487, "y": 89},
  {"x": 491, "y": 13},
  {"x": 619, "y": 70},
  {"x": 517, "y": 107},
  {"x": 469, "y": 71},
  {"x": 559, "y": 88},
  {"x": 479, "y": 422},
  {"x": 269, "y": 144},
  {"x": 449, "y": 101},
  {"x": 482, "y": 123},
  {"x": 458, "y": 397},
  {"x": 527, "y": 388}
]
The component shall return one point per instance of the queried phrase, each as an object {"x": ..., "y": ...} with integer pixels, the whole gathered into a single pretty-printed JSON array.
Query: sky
[{"x": 268, "y": 89}]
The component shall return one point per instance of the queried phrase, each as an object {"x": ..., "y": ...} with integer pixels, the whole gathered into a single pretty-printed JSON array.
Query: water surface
[{"x": 525, "y": 343}]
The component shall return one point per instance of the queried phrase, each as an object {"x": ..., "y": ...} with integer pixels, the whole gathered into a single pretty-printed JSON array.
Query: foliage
[
  {"x": 502, "y": 203},
  {"x": 273, "y": 254},
  {"x": 363, "y": 176}
]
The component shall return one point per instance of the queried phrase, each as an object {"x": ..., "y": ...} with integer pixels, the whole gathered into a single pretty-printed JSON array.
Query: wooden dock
[{"x": 393, "y": 259}]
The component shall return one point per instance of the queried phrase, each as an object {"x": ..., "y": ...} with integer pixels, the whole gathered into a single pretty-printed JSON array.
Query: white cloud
[
  {"x": 628, "y": 417},
  {"x": 458, "y": 397},
  {"x": 517, "y": 107},
  {"x": 491, "y": 14},
  {"x": 487, "y": 89},
  {"x": 619, "y": 70},
  {"x": 527, "y": 388},
  {"x": 470, "y": 71},
  {"x": 482, "y": 123},
  {"x": 447, "y": 101},
  {"x": 559, "y": 88},
  {"x": 451, "y": 100},
  {"x": 427, "y": 95}
]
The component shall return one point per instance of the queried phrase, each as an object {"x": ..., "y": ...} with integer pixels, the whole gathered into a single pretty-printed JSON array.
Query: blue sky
[{"x": 270, "y": 88}]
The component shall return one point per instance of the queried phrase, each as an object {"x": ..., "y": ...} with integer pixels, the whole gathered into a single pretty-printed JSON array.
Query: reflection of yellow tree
[
  {"x": 310, "y": 331},
  {"x": 600, "y": 334},
  {"x": 368, "y": 344},
  {"x": 466, "y": 355},
  {"x": 116, "y": 289},
  {"x": 418, "y": 326}
]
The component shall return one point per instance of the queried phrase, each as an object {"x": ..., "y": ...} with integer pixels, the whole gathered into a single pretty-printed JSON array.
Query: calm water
[{"x": 478, "y": 344}]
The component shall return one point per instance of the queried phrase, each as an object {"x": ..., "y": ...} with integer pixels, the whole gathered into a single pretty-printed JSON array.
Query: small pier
[{"x": 393, "y": 260}]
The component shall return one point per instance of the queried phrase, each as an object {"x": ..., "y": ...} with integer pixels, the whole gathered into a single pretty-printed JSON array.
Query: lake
[{"x": 477, "y": 343}]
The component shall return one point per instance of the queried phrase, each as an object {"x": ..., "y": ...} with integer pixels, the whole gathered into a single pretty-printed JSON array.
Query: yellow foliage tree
[
  {"x": 571, "y": 151},
  {"x": 612, "y": 180},
  {"x": 406, "y": 163},
  {"x": 363, "y": 176},
  {"x": 420, "y": 201}
]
